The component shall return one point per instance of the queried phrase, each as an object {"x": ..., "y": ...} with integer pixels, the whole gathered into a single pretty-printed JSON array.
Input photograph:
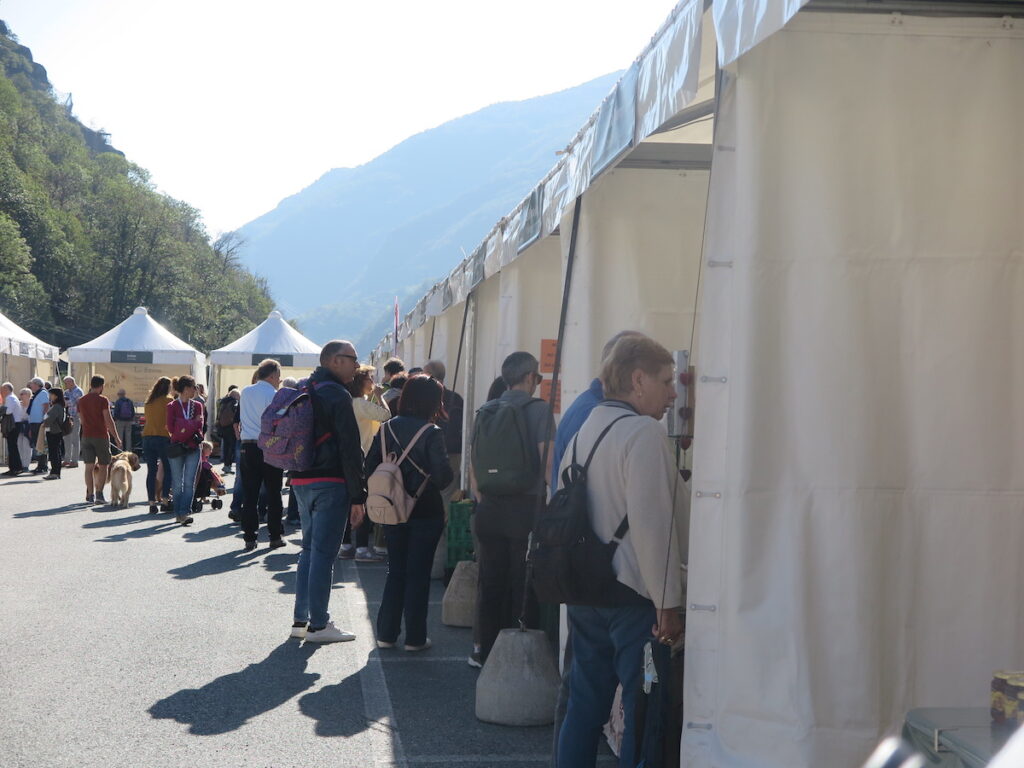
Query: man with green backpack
[{"x": 509, "y": 436}]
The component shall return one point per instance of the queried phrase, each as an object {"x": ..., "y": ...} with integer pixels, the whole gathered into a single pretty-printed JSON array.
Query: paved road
[{"x": 130, "y": 641}]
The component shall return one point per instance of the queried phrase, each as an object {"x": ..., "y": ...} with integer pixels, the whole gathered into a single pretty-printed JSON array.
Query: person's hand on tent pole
[{"x": 669, "y": 628}]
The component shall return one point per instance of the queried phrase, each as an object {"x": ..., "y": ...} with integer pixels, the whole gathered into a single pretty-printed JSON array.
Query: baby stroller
[{"x": 208, "y": 484}]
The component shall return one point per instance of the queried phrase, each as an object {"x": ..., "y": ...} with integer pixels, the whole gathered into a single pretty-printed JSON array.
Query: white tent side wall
[
  {"x": 637, "y": 258},
  {"x": 861, "y": 418},
  {"x": 530, "y": 296}
]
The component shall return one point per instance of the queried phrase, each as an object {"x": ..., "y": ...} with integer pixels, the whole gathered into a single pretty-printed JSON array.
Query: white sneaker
[
  {"x": 329, "y": 634},
  {"x": 385, "y": 644},
  {"x": 419, "y": 647},
  {"x": 298, "y": 632}
]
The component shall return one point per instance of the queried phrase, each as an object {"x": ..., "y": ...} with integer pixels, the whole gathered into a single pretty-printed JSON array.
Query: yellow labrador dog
[{"x": 121, "y": 478}]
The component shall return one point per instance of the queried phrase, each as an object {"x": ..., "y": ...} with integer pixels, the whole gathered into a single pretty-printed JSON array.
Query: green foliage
[{"x": 85, "y": 237}]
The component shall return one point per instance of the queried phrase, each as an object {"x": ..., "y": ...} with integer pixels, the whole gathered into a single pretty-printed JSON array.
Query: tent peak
[
  {"x": 275, "y": 315},
  {"x": 140, "y": 311}
]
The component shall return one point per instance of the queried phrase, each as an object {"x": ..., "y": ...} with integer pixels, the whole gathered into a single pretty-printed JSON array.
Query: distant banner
[{"x": 287, "y": 361}]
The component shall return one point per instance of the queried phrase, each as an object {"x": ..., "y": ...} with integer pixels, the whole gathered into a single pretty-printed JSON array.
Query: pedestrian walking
[
  {"x": 73, "y": 440},
  {"x": 155, "y": 441},
  {"x": 124, "y": 418},
  {"x": 508, "y": 480},
  {"x": 97, "y": 430},
  {"x": 53, "y": 424},
  {"x": 630, "y": 497},
  {"x": 186, "y": 423},
  {"x": 10, "y": 426},
  {"x": 227, "y": 429},
  {"x": 255, "y": 471},
  {"x": 411, "y": 545},
  {"x": 329, "y": 494},
  {"x": 25, "y": 450},
  {"x": 36, "y": 413}
]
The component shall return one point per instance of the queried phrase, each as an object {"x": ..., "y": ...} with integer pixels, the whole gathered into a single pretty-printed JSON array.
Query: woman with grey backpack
[{"x": 425, "y": 470}]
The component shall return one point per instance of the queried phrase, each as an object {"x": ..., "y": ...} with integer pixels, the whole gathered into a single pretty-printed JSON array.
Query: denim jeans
[
  {"x": 607, "y": 648},
  {"x": 184, "y": 472},
  {"x": 411, "y": 548},
  {"x": 323, "y": 510},
  {"x": 155, "y": 449}
]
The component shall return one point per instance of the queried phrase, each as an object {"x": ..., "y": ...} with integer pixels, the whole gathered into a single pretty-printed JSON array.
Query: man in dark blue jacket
[{"x": 328, "y": 493}]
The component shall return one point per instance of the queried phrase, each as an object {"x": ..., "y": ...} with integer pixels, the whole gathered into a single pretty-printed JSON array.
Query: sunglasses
[{"x": 353, "y": 358}]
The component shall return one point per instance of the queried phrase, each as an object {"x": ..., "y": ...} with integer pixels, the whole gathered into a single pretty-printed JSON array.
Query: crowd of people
[{"x": 412, "y": 419}]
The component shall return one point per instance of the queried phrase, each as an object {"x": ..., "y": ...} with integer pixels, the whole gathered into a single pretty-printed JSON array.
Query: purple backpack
[{"x": 287, "y": 430}]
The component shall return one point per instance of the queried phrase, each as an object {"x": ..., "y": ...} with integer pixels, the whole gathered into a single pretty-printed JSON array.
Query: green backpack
[{"x": 505, "y": 459}]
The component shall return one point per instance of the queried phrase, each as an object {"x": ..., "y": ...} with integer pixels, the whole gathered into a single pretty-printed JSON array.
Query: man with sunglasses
[{"x": 331, "y": 492}]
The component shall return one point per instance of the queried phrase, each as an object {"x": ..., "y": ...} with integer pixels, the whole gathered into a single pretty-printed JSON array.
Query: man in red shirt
[{"x": 97, "y": 429}]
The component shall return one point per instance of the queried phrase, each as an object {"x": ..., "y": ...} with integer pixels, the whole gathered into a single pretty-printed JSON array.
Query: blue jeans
[
  {"x": 184, "y": 471},
  {"x": 607, "y": 649},
  {"x": 154, "y": 447},
  {"x": 407, "y": 589},
  {"x": 323, "y": 510}
]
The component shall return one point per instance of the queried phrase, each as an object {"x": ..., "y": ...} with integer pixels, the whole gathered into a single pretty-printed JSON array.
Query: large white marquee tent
[
  {"x": 821, "y": 203},
  {"x": 273, "y": 338},
  {"x": 134, "y": 354}
]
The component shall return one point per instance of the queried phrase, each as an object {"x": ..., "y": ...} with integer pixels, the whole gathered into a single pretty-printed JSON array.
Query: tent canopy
[
  {"x": 15, "y": 340},
  {"x": 139, "y": 339},
  {"x": 275, "y": 338}
]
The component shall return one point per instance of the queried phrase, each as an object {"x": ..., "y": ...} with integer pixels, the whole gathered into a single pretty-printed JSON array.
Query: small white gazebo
[
  {"x": 273, "y": 338},
  {"x": 134, "y": 354},
  {"x": 23, "y": 356}
]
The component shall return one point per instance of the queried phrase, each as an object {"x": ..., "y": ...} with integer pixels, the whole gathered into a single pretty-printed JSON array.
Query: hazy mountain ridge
[{"x": 401, "y": 221}]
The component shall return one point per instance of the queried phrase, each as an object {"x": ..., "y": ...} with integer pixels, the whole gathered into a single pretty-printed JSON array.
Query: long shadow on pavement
[
  {"x": 212, "y": 532},
  {"x": 227, "y": 703},
  {"x": 55, "y": 511},
  {"x": 212, "y": 566},
  {"x": 140, "y": 533},
  {"x": 337, "y": 708},
  {"x": 111, "y": 522}
]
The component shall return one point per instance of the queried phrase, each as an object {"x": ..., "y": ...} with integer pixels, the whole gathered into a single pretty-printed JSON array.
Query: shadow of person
[
  {"x": 212, "y": 566},
  {"x": 67, "y": 508},
  {"x": 212, "y": 532},
  {"x": 140, "y": 533},
  {"x": 227, "y": 703},
  {"x": 337, "y": 709},
  {"x": 112, "y": 522},
  {"x": 282, "y": 565}
]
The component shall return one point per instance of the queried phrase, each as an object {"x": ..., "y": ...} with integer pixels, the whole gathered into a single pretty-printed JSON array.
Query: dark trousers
[
  {"x": 13, "y": 454},
  {"x": 502, "y": 563},
  {"x": 254, "y": 472},
  {"x": 407, "y": 589},
  {"x": 362, "y": 533},
  {"x": 227, "y": 447},
  {"x": 33, "y": 439},
  {"x": 54, "y": 446}
]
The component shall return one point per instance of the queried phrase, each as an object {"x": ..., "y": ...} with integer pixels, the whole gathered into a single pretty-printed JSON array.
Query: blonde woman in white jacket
[{"x": 631, "y": 477}]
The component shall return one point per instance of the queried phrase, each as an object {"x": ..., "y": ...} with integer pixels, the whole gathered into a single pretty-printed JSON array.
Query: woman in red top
[{"x": 186, "y": 423}]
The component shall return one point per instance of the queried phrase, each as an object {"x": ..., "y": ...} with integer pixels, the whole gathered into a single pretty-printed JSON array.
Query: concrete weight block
[
  {"x": 519, "y": 683},
  {"x": 458, "y": 608}
]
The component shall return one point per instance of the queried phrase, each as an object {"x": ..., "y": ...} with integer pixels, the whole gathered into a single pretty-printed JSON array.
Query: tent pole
[
  {"x": 430, "y": 347},
  {"x": 462, "y": 338}
]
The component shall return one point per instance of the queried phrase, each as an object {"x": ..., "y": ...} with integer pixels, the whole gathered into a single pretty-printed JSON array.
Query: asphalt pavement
[{"x": 128, "y": 640}]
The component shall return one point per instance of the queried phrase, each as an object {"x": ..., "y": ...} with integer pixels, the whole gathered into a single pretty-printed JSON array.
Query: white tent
[
  {"x": 273, "y": 338},
  {"x": 134, "y": 354},
  {"x": 829, "y": 222},
  {"x": 23, "y": 356}
]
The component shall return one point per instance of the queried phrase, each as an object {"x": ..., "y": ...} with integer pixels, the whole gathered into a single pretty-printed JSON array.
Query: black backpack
[
  {"x": 505, "y": 460},
  {"x": 226, "y": 414},
  {"x": 570, "y": 564}
]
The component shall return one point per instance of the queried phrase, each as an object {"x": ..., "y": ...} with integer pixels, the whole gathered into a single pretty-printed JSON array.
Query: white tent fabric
[
  {"x": 138, "y": 333},
  {"x": 742, "y": 24},
  {"x": 272, "y": 338},
  {"x": 859, "y": 466},
  {"x": 15, "y": 340}
]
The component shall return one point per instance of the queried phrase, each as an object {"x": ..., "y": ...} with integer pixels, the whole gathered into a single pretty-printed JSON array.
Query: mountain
[
  {"x": 85, "y": 237},
  {"x": 398, "y": 223}
]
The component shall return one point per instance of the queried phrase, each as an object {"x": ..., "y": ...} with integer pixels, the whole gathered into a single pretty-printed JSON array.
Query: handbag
[{"x": 177, "y": 450}]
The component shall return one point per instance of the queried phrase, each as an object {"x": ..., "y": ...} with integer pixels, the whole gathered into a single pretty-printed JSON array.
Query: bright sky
[{"x": 236, "y": 104}]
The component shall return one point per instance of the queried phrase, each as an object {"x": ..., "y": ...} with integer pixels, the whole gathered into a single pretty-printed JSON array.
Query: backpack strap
[
  {"x": 597, "y": 442},
  {"x": 405, "y": 455}
]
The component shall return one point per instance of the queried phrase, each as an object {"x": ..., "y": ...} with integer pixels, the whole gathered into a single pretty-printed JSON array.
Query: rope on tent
[
  {"x": 462, "y": 338},
  {"x": 570, "y": 262}
]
